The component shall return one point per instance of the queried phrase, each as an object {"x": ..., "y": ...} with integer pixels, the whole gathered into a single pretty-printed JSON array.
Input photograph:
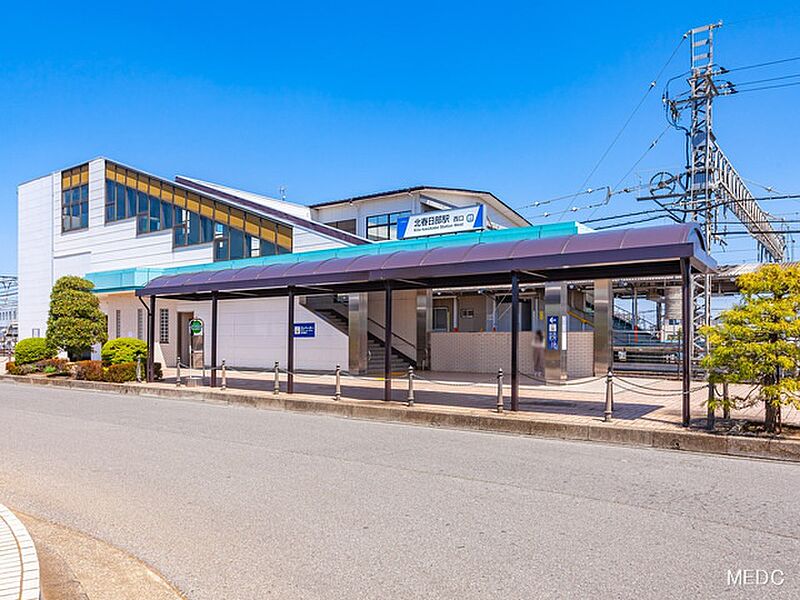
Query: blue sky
[{"x": 332, "y": 100}]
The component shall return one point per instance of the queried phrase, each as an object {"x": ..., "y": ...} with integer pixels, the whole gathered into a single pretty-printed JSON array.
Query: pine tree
[
  {"x": 758, "y": 342},
  {"x": 75, "y": 321}
]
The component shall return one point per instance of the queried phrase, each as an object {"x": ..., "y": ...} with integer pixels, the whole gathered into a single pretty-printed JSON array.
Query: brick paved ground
[{"x": 639, "y": 401}]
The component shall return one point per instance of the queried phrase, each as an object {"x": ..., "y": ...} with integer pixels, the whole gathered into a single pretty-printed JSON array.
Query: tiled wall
[{"x": 485, "y": 352}]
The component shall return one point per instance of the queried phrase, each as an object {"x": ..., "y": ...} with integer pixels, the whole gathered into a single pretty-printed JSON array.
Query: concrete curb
[
  {"x": 19, "y": 563},
  {"x": 666, "y": 437}
]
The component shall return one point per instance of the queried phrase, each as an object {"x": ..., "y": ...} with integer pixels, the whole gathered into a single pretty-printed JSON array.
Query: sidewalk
[
  {"x": 75, "y": 566},
  {"x": 638, "y": 401},
  {"x": 19, "y": 564}
]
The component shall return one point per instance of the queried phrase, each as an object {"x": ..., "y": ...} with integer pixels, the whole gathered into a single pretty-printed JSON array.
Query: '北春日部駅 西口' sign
[{"x": 470, "y": 218}]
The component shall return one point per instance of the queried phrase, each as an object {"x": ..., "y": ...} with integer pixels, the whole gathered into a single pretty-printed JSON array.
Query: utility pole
[{"x": 711, "y": 184}]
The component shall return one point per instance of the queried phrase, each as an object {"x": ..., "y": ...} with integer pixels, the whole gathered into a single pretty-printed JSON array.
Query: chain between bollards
[
  {"x": 224, "y": 385},
  {"x": 499, "y": 390},
  {"x": 410, "y": 397},
  {"x": 337, "y": 394},
  {"x": 277, "y": 387},
  {"x": 609, "y": 397},
  {"x": 178, "y": 373},
  {"x": 138, "y": 369}
]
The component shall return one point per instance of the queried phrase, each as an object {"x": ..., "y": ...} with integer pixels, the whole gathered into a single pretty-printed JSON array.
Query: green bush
[
  {"x": 30, "y": 350},
  {"x": 120, "y": 373},
  {"x": 13, "y": 368},
  {"x": 89, "y": 370},
  {"x": 123, "y": 350}
]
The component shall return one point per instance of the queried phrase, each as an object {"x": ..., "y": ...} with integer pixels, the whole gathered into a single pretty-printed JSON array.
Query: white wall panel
[{"x": 35, "y": 251}]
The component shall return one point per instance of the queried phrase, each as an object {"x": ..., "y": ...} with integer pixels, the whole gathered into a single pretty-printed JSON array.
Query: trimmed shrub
[
  {"x": 120, "y": 373},
  {"x": 89, "y": 370},
  {"x": 75, "y": 322},
  {"x": 123, "y": 350},
  {"x": 53, "y": 366},
  {"x": 13, "y": 368},
  {"x": 30, "y": 350}
]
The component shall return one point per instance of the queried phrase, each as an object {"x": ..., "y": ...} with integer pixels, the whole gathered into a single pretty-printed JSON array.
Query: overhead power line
[
  {"x": 764, "y": 64},
  {"x": 768, "y": 87},
  {"x": 627, "y": 122}
]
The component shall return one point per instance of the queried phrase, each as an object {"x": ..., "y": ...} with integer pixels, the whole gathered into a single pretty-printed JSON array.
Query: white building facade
[{"x": 120, "y": 227}]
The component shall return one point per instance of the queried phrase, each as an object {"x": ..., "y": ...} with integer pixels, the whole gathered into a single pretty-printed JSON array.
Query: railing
[
  {"x": 637, "y": 321},
  {"x": 338, "y": 304}
]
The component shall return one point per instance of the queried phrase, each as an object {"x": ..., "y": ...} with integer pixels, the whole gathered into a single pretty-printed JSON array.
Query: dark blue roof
[{"x": 614, "y": 253}]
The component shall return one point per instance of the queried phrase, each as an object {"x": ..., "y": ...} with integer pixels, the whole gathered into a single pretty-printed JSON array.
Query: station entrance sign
[{"x": 438, "y": 222}]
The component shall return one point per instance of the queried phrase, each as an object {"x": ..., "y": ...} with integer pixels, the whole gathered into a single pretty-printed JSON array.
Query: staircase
[{"x": 335, "y": 313}]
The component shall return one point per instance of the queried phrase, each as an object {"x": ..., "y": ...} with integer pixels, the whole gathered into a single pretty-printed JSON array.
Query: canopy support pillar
[
  {"x": 514, "y": 341},
  {"x": 387, "y": 345},
  {"x": 214, "y": 310},
  {"x": 151, "y": 340},
  {"x": 290, "y": 345},
  {"x": 687, "y": 321}
]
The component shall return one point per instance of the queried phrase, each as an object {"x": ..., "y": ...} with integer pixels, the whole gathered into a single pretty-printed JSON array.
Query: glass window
[
  {"x": 207, "y": 227},
  {"x": 236, "y": 233},
  {"x": 236, "y": 244},
  {"x": 193, "y": 229},
  {"x": 75, "y": 208},
  {"x": 130, "y": 196},
  {"x": 348, "y": 225},
  {"x": 163, "y": 329},
  {"x": 155, "y": 214},
  {"x": 166, "y": 215},
  {"x": 179, "y": 236},
  {"x": 384, "y": 227}
]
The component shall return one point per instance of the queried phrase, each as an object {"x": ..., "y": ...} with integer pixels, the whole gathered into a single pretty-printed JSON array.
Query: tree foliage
[
  {"x": 75, "y": 322},
  {"x": 757, "y": 341}
]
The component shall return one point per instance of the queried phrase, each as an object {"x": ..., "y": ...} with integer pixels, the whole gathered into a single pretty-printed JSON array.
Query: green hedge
[
  {"x": 120, "y": 373},
  {"x": 48, "y": 366},
  {"x": 123, "y": 350},
  {"x": 89, "y": 370},
  {"x": 93, "y": 370},
  {"x": 31, "y": 350}
]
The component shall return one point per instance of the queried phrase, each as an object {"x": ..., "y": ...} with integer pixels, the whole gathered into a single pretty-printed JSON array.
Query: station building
[{"x": 123, "y": 228}]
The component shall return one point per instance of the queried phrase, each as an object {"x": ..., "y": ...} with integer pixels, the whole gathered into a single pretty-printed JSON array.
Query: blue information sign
[
  {"x": 552, "y": 332},
  {"x": 305, "y": 330}
]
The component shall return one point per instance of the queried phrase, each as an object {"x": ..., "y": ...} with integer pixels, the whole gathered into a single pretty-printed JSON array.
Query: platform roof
[{"x": 607, "y": 254}]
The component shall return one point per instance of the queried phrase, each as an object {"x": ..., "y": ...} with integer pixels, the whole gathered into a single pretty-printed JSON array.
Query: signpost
[
  {"x": 305, "y": 330},
  {"x": 552, "y": 332},
  {"x": 196, "y": 327},
  {"x": 196, "y": 330},
  {"x": 470, "y": 218}
]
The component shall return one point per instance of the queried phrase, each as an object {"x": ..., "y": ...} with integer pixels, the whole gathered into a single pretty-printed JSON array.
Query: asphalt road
[{"x": 233, "y": 502}]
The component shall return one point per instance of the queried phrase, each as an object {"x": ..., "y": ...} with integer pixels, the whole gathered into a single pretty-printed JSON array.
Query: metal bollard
[
  {"x": 224, "y": 385},
  {"x": 178, "y": 373},
  {"x": 711, "y": 417},
  {"x": 138, "y": 369},
  {"x": 726, "y": 410},
  {"x": 337, "y": 394},
  {"x": 609, "y": 397},
  {"x": 277, "y": 389},
  {"x": 410, "y": 397},
  {"x": 499, "y": 390}
]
